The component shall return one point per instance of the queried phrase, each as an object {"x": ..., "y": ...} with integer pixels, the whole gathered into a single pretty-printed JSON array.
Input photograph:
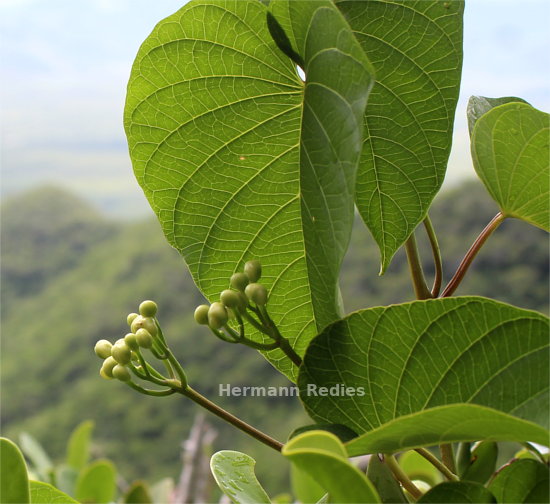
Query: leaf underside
[
  {"x": 416, "y": 356},
  {"x": 240, "y": 160},
  {"x": 416, "y": 48}
]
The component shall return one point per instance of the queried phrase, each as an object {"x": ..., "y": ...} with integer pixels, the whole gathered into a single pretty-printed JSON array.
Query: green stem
[
  {"x": 470, "y": 255},
  {"x": 436, "y": 252},
  {"x": 289, "y": 351},
  {"x": 156, "y": 393},
  {"x": 448, "y": 456},
  {"x": 417, "y": 275},
  {"x": 401, "y": 476},
  {"x": 432, "y": 459},
  {"x": 232, "y": 419}
]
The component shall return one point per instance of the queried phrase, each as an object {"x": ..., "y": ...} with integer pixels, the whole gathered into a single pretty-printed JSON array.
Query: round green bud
[
  {"x": 144, "y": 338},
  {"x": 103, "y": 349},
  {"x": 121, "y": 373},
  {"x": 103, "y": 374},
  {"x": 217, "y": 316},
  {"x": 253, "y": 270},
  {"x": 201, "y": 314},
  {"x": 131, "y": 317},
  {"x": 131, "y": 340},
  {"x": 121, "y": 353},
  {"x": 257, "y": 293},
  {"x": 239, "y": 281},
  {"x": 141, "y": 322},
  {"x": 230, "y": 298},
  {"x": 148, "y": 308},
  {"x": 107, "y": 368}
]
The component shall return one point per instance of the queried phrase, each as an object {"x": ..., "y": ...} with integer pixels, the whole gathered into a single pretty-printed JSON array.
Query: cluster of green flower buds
[
  {"x": 235, "y": 301},
  {"x": 118, "y": 356}
]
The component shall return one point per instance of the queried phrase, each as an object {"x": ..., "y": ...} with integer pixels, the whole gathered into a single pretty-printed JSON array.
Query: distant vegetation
[{"x": 70, "y": 276}]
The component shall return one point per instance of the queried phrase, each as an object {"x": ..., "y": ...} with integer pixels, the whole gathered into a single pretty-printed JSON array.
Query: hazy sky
[{"x": 65, "y": 65}]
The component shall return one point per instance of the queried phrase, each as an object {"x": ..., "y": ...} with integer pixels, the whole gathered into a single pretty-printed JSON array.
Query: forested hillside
[{"x": 70, "y": 276}]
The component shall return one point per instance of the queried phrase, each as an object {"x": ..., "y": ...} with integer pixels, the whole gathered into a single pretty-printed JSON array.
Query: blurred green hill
[{"x": 70, "y": 276}]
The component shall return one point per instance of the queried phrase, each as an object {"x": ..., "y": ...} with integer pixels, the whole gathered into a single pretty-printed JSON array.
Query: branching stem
[
  {"x": 470, "y": 255},
  {"x": 432, "y": 459},
  {"x": 401, "y": 476}
]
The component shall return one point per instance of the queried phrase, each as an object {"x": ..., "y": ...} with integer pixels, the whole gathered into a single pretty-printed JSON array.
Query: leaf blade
[
  {"x": 14, "y": 483},
  {"x": 44, "y": 493}
]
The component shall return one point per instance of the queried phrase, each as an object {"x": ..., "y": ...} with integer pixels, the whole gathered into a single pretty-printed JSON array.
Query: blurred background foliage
[{"x": 70, "y": 275}]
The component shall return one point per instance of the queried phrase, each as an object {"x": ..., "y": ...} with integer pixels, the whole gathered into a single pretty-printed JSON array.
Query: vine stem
[
  {"x": 432, "y": 459},
  {"x": 228, "y": 417},
  {"x": 401, "y": 476},
  {"x": 470, "y": 255},
  {"x": 448, "y": 457},
  {"x": 417, "y": 275},
  {"x": 436, "y": 252}
]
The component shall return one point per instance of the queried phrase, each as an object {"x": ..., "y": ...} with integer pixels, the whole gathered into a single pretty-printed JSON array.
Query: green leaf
[
  {"x": 323, "y": 456},
  {"x": 65, "y": 478},
  {"x": 138, "y": 493},
  {"x": 510, "y": 151},
  {"x": 416, "y": 48},
  {"x": 97, "y": 483},
  {"x": 459, "y": 492},
  {"x": 340, "y": 431},
  {"x": 234, "y": 474},
  {"x": 78, "y": 448},
  {"x": 44, "y": 493},
  {"x": 417, "y": 467},
  {"x": 446, "y": 424},
  {"x": 480, "y": 105},
  {"x": 384, "y": 481},
  {"x": 239, "y": 159},
  {"x": 304, "y": 487},
  {"x": 162, "y": 490},
  {"x": 37, "y": 455},
  {"x": 523, "y": 480},
  {"x": 14, "y": 483},
  {"x": 401, "y": 360},
  {"x": 483, "y": 463}
]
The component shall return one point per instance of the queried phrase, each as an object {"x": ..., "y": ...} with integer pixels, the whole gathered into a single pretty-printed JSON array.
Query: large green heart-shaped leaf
[
  {"x": 511, "y": 153},
  {"x": 400, "y": 360},
  {"x": 446, "y": 424},
  {"x": 416, "y": 48},
  {"x": 234, "y": 474},
  {"x": 322, "y": 456},
  {"x": 240, "y": 159}
]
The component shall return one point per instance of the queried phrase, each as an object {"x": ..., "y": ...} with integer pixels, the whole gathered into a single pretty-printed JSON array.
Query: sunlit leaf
[
  {"x": 44, "y": 493},
  {"x": 240, "y": 159},
  {"x": 97, "y": 483},
  {"x": 14, "y": 483},
  {"x": 511, "y": 154}
]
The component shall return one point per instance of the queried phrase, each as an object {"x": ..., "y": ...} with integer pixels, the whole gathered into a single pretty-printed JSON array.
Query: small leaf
[
  {"x": 404, "y": 359},
  {"x": 445, "y": 424},
  {"x": 234, "y": 474},
  {"x": 323, "y": 456},
  {"x": 97, "y": 483},
  {"x": 384, "y": 481},
  {"x": 37, "y": 455},
  {"x": 138, "y": 493},
  {"x": 78, "y": 448},
  {"x": 14, "y": 483},
  {"x": 44, "y": 493},
  {"x": 480, "y": 105},
  {"x": 459, "y": 492},
  {"x": 304, "y": 487},
  {"x": 483, "y": 463},
  {"x": 511, "y": 155},
  {"x": 523, "y": 480},
  {"x": 65, "y": 478},
  {"x": 417, "y": 467}
]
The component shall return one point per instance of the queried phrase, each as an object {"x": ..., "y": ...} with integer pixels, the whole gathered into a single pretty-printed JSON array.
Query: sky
[{"x": 65, "y": 64}]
